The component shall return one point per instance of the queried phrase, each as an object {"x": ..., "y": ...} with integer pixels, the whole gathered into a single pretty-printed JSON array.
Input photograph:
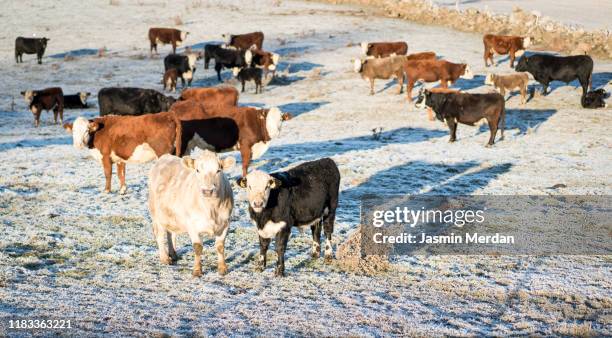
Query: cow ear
[
  {"x": 68, "y": 127},
  {"x": 242, "y": 182},
  {"x": 228, "y": 163},
  {"x": 22, "y": 93},
  {"x": 93, "y": 126},
  {"x": 188, "y": 162},
  {"x": 286, "y": 116},
  {"x": 275, "y": 183}
]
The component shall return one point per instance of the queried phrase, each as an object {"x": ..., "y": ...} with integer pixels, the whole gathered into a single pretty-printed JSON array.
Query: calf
[
  {"x": 169, "y": 80},
  {"x": 467, "y": 109},
  {"x": 126, "y": 139},
  {"x": 245, "y": 41},
  {"x": 30, "y": 46},
  {"x": 247, "y": 129},
  {"x": 594, "y": 99},
  {"x": 305, "y": 196},
  {"x": 214, "y": 96},
  {"x": 76, "y": 101},
  {"x": 266, "y": 60},
  {"x": 509, "y": 82},
  {"x": 547, "y": 68},
  {"x": 249, "y": 74},
  {"x": 166, "y": 36},
  {"x": 382, "y": 68},
  {"x": 226, "y": 58},
  {"x": 434, "y": 70},
  {"x": 384, "y": 49},
  {"x": 132, "y": 101},
  {"x": 46, "y": 99},
  {"x": 185, "y": 65},
  {"x": 502, "y": 45},
  {"x": 193, "y": 196}
]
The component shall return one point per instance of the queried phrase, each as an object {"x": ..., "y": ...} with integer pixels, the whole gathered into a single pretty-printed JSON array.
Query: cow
[
  {"x": 132, "y": 101},
  {"x": 226, "y": 58},
  {"x": 30, "y": 46},
  {"x": 169, "y": 79},
  {"x": 502, "y": 45},
  {"x": 430, "y": 116},
  {"x": 594, "y": 99},
  {"x": 304, "y": 196},
  {"x": 166, "y": 36},
  {"x": 185, "y": 65},
  {"x": 126, "y": 139},
  {"x": 384, "y": 49},
  {"x": 547, "y": 68},
  {"x": 509, "y": 82},
  {"x": 381, "y": 68},
  {"x": 193, "y": 196},
  {"x": 249, "y": 74},
  {"x": 46, "y": 99},
  {"x": 222, "y": 95},
  {"x": 76, "y": 101},
  {"x": 434, "y": 70},
  {"x": 421, "y": 56},
  {"x": 247, "y": 129},
  {"x": 245, "y": 41},
  {"x": 266, "y": 60},
  {"x": 455, "y": 108}
]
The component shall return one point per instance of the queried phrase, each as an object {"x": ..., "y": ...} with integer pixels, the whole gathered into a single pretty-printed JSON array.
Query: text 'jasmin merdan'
[{"x": 413, "y": 217}]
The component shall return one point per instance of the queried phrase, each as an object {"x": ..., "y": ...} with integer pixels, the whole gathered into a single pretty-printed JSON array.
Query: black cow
[
  {"x": 594, "y": 99},
  {"x": 249, "y": 74},
  {"x": 132, "y": 101},
  {"x": 305, "y": 196},
  {"x": 468, "y": 109},
  {"x": 185, "y": 65},
  {"x": 226, "y": 58},
  {"x": 30, "y": 46},
  {"x": 76, "y": 101},
  {"x": 547, "y": 68}
]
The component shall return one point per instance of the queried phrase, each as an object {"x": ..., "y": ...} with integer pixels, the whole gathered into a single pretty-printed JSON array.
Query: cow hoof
[
  {"x": 106, "y": 191},
  {"x": 259, "y": 268},
  {"x": 197, "y": 273},
  {"x": 166, "y": 260},
  {"x": 222, "y": 270},
  {"x": 122, "y": 190},
  {"x": 328, "y": 260},
  {"x": 174, "y": 257},
  {"x": 279, "y": 272},
  {"x": 488, "y": 145},
  {"x": 451, "y": 141},
  {"x": 315, "y": 255}
]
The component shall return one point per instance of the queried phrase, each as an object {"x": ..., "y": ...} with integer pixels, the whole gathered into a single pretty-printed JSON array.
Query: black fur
[
  {"x": 30, "y": 46},
  {"x": 74, "y": 102},
  {"x": 547, "y": 68},
  {"x": 594, "y": 99},
  {"x": 132, "y": 101},
  {"x": 224, "y": 58},
  {"x": 251, "y": 74},
  {"x": 181, "y": 64}
]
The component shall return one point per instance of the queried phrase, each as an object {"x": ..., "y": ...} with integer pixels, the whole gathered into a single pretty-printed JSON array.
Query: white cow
[{"x": 193, "y": 196}]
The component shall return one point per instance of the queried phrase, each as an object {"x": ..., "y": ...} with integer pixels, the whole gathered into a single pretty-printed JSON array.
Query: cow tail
[
  {"x": 503, "y": 121},
  {"x": 178, "y": 135}
]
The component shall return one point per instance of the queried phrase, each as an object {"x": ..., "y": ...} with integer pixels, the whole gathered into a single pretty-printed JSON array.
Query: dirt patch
[{"x": 349, "y": 257}]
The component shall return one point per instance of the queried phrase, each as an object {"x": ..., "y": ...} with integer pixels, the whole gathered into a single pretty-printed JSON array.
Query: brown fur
[
  {"x": 164, "y": 35},
  {"x": 223, "y": 95},
  {"x": 431, "y": 71},
  {"x": 511, "y": 82},
  {"x": 384, "y": 68},
  {"x": 263, "y": 59},
  {"x": 245, "y": 41},
  {"x": 421, "y": 56},
  {"x": 502, "y": 45},
  {"x": 385, "y": 49},
  {"x": 170, "y": 76},
  {"x": 47, "y": 99}
]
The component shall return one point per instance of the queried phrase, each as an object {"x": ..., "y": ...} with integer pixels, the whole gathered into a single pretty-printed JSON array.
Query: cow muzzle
[
  {"x": 257, "y": 206},
  {"x": 209, "y": 192}
]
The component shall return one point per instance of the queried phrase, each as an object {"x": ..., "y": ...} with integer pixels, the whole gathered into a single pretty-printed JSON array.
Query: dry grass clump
[
  {"x": 547, "y": 33},
  {"x": 349, "y": 258},
  {"x": 177, "y": 20}
]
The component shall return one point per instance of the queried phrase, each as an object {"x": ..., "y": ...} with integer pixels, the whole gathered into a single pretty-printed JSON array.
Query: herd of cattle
[{"x": 189, "y": 192}]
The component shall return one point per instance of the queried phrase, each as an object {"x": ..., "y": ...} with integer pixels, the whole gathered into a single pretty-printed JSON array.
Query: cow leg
[
  {"x": 171, "y": 239},
  {"x": 159, "y": 232},
  {"x": 316, "y": 239},
  {"x": 218, "y": 68},
  {"x": 400, "y": 80},
  {"x": 196, "y": 242},
  {"x": 430, "y": 116},
  {"x": 281, "y": 245},
  {"x": 502, "y": 92},
  {"x": 544, "y": 88},
  {"x": 452, "y": 126},
  {"x": 371, "y": 86},
  {"x": 328, "y": 227},
  {"x": 39, "y": 57},
  {"x": 512, "y": 57},
  {"x": 264, "y": 243},
  {"x": 121, "y": 175},
  {"x": 409, "y": 87},
  {"x": 584, "y": 83},
  {"x": 486, "y": 56},
  {"x": 206, "y": 61},
  {"x": 523, "y": 94},
  {"x": 493, "y": 130},
  {"x": 220, "y": 248},
  {"x": 173, "y": 47},
  {"x": 242, "y": 91},
  {"x": 245, "y": 154},
  {"x": 108, "y": 171},
  {"x": 55, "y": 113}
]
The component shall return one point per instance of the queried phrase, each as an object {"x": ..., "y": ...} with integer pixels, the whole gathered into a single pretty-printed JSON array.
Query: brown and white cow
[
  {"x": 509, "y": 82},
  {"x": 245, "y": 41},
  {"x": 434, "y": 70},
  {"x": 247, "y": 129},
  {"x": 222, "y": 95},
  {"x": 45, "y": 99},
  {"x": 266, "y": 60},
  {"x": 126, "y": 139},
  {"x": 166, "y": 36},
  {"x": 384, "y": 49},
  {"x": 502, "y": 45},
  {"x": 381, "y": 68}
]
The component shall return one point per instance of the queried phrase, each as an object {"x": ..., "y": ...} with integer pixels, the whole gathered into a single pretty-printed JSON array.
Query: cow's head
[
  {"x": 274, "y": 120},
  {"x": 357, "y": 65},
  {"x": 364, "y": 47},
  {"x": 184, "y": 35},
  {"x": 83, "y": 96},
  {"x": 421, "y": 98},
  {"x": 43, "y": 42},
  {"x": 192, "y": 58},
  {"x": 489, "y": 79},
  {"x": 235, "y": 71},
  {"x": 275, "y": 61},
  {"x": 258, "y": 185},
  {"x": 208, "y": 169},
  {"x": 467, "y": 72},
  {"x": 527, "y": 41},
  {"x": 81, "y": 131},
  {"x": 28, "y": 95},
  {"x": 523, "y": 64}
]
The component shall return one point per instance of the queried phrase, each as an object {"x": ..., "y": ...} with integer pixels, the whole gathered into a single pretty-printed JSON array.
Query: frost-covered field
[{"x": 69, "y": 250}]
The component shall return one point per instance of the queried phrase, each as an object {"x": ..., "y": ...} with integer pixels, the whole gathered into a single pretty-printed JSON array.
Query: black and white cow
[
  {"x": 546, "y": 68},
  {"x": 185, "y": 65},
  {"x": 305, "y": 196},
  {"x": 595, "y": 99},
  {"x": 76, "y": 101},
  {"x": 226, "y": 58},
  {"x": 30, "y": 46},
  {"x": 132, "y": 101}
]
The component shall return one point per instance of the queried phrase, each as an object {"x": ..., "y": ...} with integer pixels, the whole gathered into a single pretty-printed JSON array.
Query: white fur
[
  {"x": 188, "y": 75},
  {"x": 258, "y": 188},
  {"x": 259, "y": 149},
  {"x": 519, "y": 53},
  {"x": 357, "y": 64},
  {"x": 275, "y": 58},
  {"x": 527, "y": 42},
  {"x": 489, "y": 79},
  {"x": 468, "y": 73},
  {"x": 270, "y": 229},
  {"x": 183, "y": 37},
  {"x": 192, "y": 58},
  {"x": 83, "y": 96},
  {"x": 28, "y": 96},
  {"x": 235, "y": 71},
  {"x": 364, "y": 47},
  {"x": 80, "y": 133},
  {"x": 274, "y": 122},
  {"x": 248, "y": 57},
  {"x": 328, "y": 248},
  {"x": 142, "y": 153},
  {"x": 272, "y": 67}
]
